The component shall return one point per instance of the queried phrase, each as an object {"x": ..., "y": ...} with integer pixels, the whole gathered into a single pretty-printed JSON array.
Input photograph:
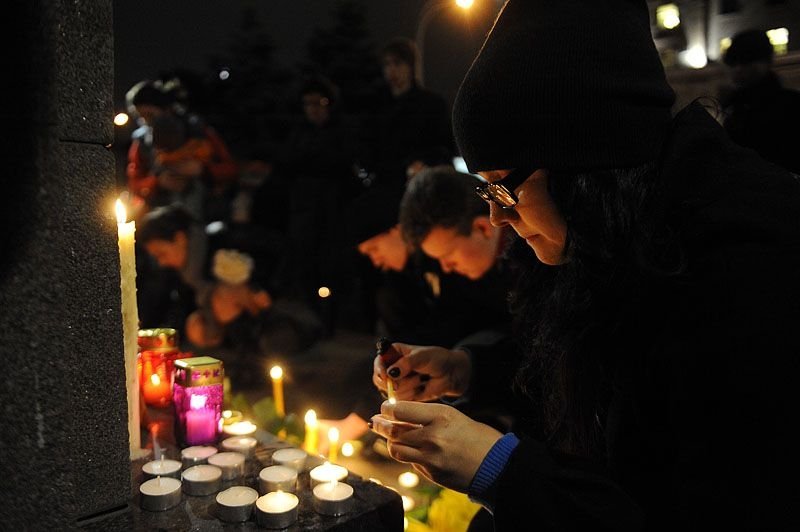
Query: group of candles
[{"x": 203, "y": 469}]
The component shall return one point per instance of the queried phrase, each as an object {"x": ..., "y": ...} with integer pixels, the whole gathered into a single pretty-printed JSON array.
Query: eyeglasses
[{"x": 501, "y": 192}]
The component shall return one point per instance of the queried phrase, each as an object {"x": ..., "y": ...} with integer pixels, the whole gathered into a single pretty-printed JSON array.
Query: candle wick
[{"x": 158, "y": 481}]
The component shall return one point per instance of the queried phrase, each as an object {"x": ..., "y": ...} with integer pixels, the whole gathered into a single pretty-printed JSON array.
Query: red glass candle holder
[
  {"x": 197, "y": 396},
  {"x": 158, "y": 350}
]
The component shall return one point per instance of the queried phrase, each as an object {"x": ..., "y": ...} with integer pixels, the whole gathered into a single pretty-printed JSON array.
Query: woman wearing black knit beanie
[{"x": 659, "y": 326}]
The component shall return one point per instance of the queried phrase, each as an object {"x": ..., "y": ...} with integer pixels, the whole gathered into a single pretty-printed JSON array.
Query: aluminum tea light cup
[
  {"x": 240, "y": 444},
  {"x": 277, "y": 509},
  {"x": 196, "y": 455},
  {"x": 162, "y": 468},
  {"x": 290, "y": 457},
  {"x": 202, "y": 480},
  {"x": 236, "y": 504},
  {"x": 231, "y": 464},
  {"x": 333, "y": 498},
  {"x": 277, "y": 478},
  {"x": 327, "y": 472},
  {"x": 160, "y": 493}
]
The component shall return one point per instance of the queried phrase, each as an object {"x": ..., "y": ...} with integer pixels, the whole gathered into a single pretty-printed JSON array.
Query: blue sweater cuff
[{"x": 482, "y": 488}]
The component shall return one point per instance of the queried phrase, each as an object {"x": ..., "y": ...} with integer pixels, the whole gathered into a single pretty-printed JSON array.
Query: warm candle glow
[
  {"x": 119, "y": 210},
  {"x": 333, "y": 435},
  {"x": 408, "y": 503},
  {"x": 312, "y": 432},
  {"x": 348, "y": 449},
  {"x": 333, "y": 444},
  {"x": 276, "y": 373},
  {"x": 155, "y": 379},
  {"x": 311, "y": 418},
  {"x": 408, "y": 479},
  {"x": 197, "y": 402}
]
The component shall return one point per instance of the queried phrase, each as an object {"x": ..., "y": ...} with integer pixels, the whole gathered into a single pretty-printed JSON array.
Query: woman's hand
[
  {"x": 425, "y": 373},
  {"x": 446, "y": 446}
]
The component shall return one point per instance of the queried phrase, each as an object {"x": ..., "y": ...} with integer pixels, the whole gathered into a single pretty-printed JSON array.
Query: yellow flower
[{"x": 451, "y": 512}]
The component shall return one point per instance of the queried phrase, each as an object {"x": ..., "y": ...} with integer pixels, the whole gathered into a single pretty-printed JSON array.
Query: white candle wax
[
  {"x": 241, "y": 444},
  {"x": 327, "y": 472},
  {"x": 290, "y": 457},
  {"x": 197, "y": 455},
  {"x": 277, "y": 478},
  {"x": 202, "y": 480},
  {"x": 332, "y": 498},
  {"x": 126, "y": 232},
  {"x": 160, "y": 493},
  {"x": 240, "y": 428},
  {"x": 235, "y": 504},
  {"x": 277, "y": 509},
  {"x": 231, "y": 464},
  {"x": 162, "y": 468}
]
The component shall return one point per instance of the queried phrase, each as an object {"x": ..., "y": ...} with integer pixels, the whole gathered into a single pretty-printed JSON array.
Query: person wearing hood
[{"x": 660, "y": 320}]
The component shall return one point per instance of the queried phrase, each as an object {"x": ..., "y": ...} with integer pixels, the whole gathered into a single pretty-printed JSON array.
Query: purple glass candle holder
[{"x": 197, "y": 396}]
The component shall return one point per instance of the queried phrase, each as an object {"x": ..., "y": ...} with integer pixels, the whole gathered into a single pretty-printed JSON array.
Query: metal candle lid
[
  {"x": 199, "y": 371},
  {"x": 156, "y": 339}
]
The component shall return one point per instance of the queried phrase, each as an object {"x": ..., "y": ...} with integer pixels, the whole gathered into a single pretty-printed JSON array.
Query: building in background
[{"x": 692, "y": 35}]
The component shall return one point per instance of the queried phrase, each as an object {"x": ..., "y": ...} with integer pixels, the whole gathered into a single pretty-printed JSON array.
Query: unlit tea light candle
[
  {"x": 202, "y": 480},
  {"x": 161, "y": 493},
  {"x": 290, "y": 457},
  {"x": 277, "y": 509},
  {"x": 231, "y": 464},
  {"x": 235, "y": 504},
  {"x": 162, "y": 468},
  {"x": 327, "y": 472},
  {"x": 277, "y": 478},
  {"x": 333, "y": 498},
  {"x": 192, "y": 456},
  {"x": 241, "y": 444}
]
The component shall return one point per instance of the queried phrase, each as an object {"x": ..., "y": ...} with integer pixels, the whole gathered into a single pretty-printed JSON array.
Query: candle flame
[
  {"x": 197, "y": 401},
  {"x": 311, "y": 418},
  {"x": 227, "y": 414},
  {"x": 119, "y": 210},
  {"x": 276, "y": 373},
  {"x": 155, "y": 379},
  {"x": 348, "y": 449},
  {"x": 333, "y": 435}
]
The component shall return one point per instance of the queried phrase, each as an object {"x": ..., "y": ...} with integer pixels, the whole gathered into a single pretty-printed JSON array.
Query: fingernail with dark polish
[
  {"x": 394, "y": 372},
  {"x": 369, "y": 424}
]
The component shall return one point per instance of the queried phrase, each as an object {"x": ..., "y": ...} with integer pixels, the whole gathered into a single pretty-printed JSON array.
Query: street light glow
[{"x": 464, "y": 4}]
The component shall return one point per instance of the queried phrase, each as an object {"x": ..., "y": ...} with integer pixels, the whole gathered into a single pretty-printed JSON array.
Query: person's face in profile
[
  {"x": 397, "y": 74},
  {"x": 169, "y": 253},
  {"x": 470, "y": 255},
  {"x": 386, "y": 250},
  {"x": 316, "y": 108},
  {"x": 535, "y": 217}
]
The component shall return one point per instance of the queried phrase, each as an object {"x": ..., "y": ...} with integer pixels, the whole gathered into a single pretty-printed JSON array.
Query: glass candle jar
[
  {"x": 197, "y": 397},
  {"x": 158, "y": 350}
]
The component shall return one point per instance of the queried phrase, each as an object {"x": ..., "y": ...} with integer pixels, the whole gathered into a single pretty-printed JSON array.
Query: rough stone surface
[{"x": 63, "y": 441}]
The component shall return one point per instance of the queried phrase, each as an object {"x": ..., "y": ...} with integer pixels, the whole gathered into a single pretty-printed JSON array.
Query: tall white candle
[
  {"x": 276, "y": 373},
  {"x": 130, "y": 324}
]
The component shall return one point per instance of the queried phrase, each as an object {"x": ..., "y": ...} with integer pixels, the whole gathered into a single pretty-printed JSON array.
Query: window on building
[
  {"x": 668, "y": 16},
  {"x": 724, "y": 44},
  {"x": 779, "y": 37}
]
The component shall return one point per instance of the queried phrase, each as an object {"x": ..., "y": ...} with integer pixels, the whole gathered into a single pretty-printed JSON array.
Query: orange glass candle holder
[{"x": 158, "y": 350}]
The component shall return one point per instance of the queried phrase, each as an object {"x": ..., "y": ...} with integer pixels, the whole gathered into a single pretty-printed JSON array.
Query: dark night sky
[{"x": 154, "y": 35}]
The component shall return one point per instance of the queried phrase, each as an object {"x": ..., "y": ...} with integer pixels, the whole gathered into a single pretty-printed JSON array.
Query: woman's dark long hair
[{"x": 570, "y": 316}]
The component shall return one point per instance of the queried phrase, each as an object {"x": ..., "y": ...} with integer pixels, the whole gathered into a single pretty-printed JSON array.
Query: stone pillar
[{"x": 63, "y": 437}]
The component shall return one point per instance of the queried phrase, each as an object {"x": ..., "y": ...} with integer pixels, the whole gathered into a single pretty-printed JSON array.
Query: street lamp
[{"x": 427, "y": 13}]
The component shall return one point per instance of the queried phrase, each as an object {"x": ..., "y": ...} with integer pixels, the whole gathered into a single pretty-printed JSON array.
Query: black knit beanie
[
  {"x": 747, "y": 47},
  {"x": 571, "y": 85}
]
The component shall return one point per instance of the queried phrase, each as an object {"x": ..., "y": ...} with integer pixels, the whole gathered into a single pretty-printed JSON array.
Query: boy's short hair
[{"x": 439, "y": 197}]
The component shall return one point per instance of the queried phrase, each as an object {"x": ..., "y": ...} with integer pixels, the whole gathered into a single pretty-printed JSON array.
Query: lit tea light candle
[
  {"x": 277, "y": 478},
  {"x": 312, "y": 432},
  {"x": 276, "y": 374},
  {"x": 202, "y": 480},
  {"x": 332, "y": 498},
  {"x": 235, "y": 504},
  {"x": 408, "y": 479},
  {"x": 159, "y": 494},
  {"x": 290, "y": 457},
  {"x": 162, "y": 468},
  {"x": 408, "y": 503},
  {"x": 231, "y": 416},
  {"x": 347, "y": 449},
  {"x": 277, "y": 510},
  {"x": 240, "y": 428},
  {"x": 333, "y": 444},
  {"x": 245, "y": 445},
  {"x": 327, "y": 473},
  {"x": 231, "y": 464},
  {"x": 196, "y": 455}
]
